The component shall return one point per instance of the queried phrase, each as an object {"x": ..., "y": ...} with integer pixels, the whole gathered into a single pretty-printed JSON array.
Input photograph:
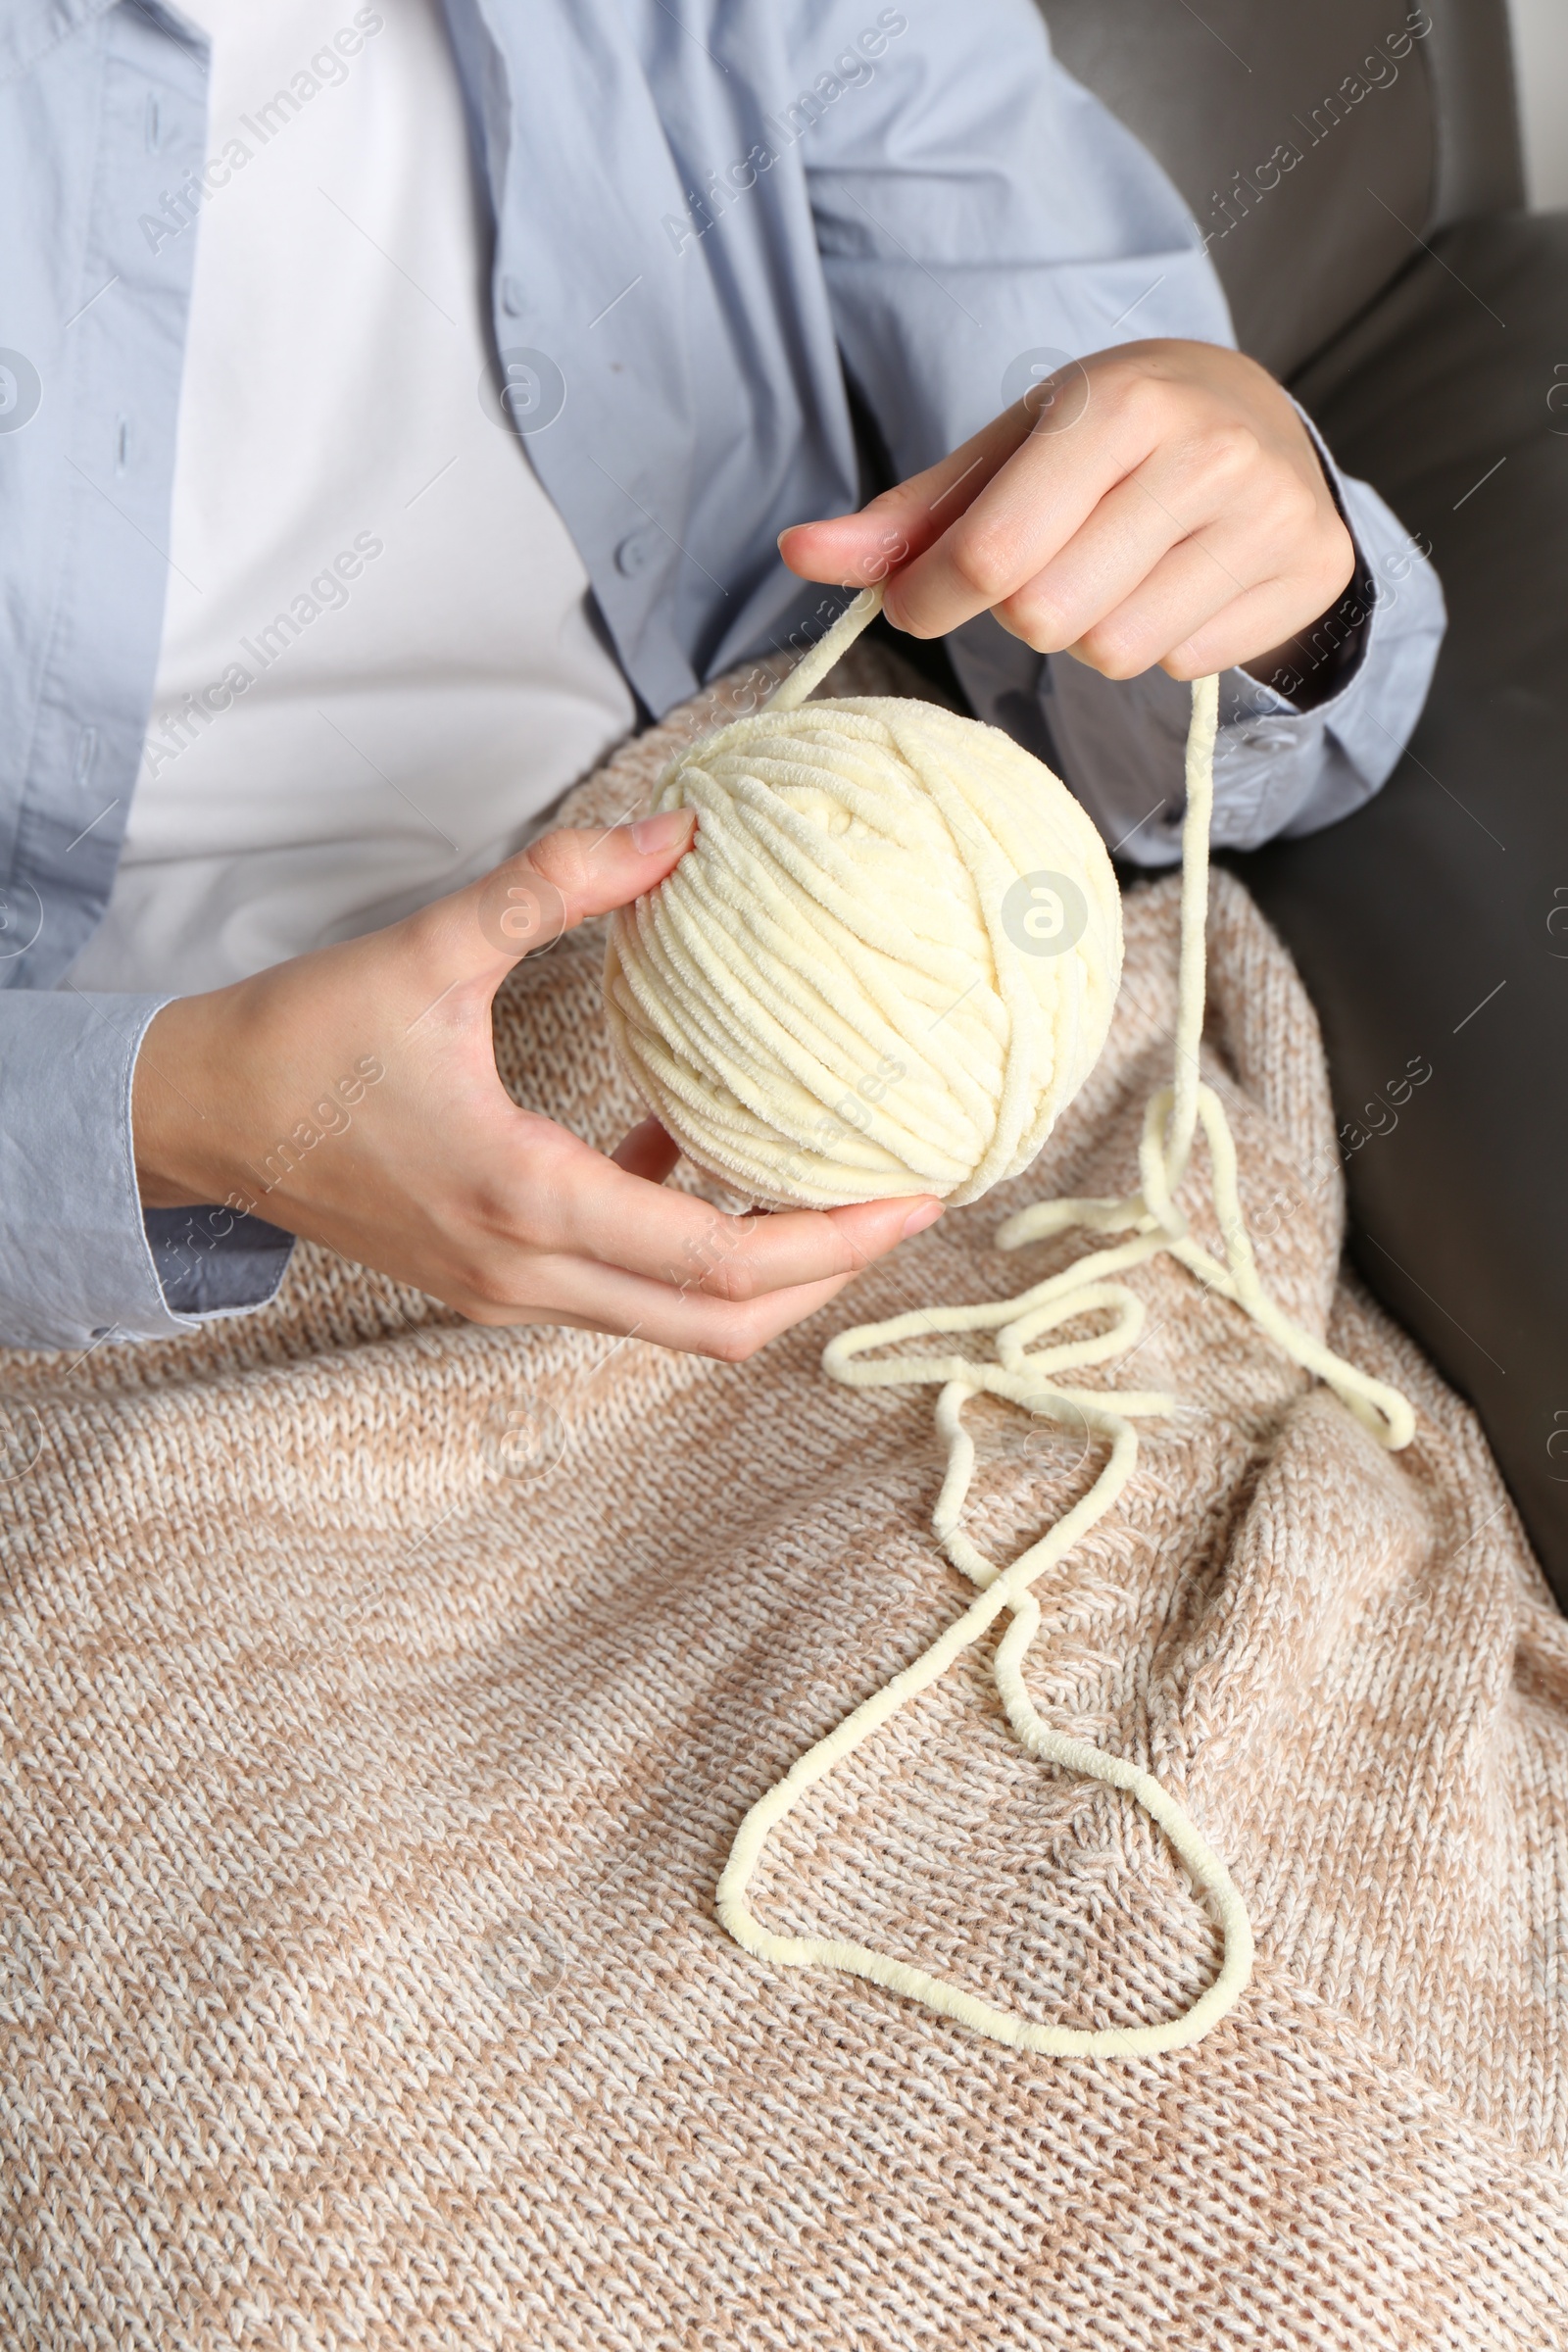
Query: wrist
[{"x": 172, "y": 1135}]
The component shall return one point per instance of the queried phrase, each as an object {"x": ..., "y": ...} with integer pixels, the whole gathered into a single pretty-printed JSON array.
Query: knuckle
[
  {"x": 981, "y": 562},
  {"x": 1121, "y": 376},
  {"x": 493, "y": 1210},
  {"x": 527, "y": 903},
  {"x": 1292, "y": 511},
  {"x": 480, "y": 1277},
  {"x": 1148, "y": 411},
  {"x": 734, "y": 1343},
  {"x": 559, "y": 858},
  {"x": 1040, "y": 617},
  {"x": 498, "y": 1222},
  {"x": 1228, "y": 451},
  {"x": 1030, "y": 632},
  {"x": 732, "y": 1282},
  {"x": 1115, "y": 653}
]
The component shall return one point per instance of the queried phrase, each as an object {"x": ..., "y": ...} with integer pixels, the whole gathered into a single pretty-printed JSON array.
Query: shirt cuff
[
  {"x": 77, "y": 1260},
  {"x": 215, "y": 1261}
]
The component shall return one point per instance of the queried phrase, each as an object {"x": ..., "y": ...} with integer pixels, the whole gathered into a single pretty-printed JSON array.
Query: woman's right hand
[{"x": 350, "y": 1096}]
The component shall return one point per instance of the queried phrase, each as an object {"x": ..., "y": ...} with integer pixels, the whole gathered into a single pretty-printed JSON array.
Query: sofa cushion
[
  {"x": 1433, "y": 925},
  {"x": 1302, "y": 137}
]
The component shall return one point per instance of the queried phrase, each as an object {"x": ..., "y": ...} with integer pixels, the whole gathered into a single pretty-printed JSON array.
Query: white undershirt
[{"x": 331, "y": 430}]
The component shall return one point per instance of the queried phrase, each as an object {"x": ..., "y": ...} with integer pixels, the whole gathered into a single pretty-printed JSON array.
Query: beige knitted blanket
[{"x": 379, "y": 1697}]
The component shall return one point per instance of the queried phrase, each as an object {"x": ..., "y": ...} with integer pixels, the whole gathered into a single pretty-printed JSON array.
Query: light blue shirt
[{"x": 711, "y": 218}]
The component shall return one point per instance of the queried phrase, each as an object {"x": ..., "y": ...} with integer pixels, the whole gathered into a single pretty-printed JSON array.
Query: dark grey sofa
[{"x": 1389, "y": 274}]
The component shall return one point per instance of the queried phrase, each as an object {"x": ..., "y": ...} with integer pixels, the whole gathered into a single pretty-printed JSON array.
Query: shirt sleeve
[
  {"x": 982, "y": 217},
  {"x": 78, "y": 1261}
]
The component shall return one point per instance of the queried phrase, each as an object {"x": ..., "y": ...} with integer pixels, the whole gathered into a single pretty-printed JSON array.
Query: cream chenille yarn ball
[{"x": 884, "y": 966}]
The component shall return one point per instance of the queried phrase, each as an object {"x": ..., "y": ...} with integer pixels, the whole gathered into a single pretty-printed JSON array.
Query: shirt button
[
  {"x": 634, "y": 554},
  {"x": 512, "y": 297}
]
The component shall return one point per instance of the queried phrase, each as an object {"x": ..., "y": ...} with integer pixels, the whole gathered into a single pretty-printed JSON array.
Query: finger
[
  {"x": 1185, "y": 590},
  {"x": 591, "y": 1296},
  {"x": 1103, "y": 563},
  {"x": 1229, "y": 569},
  {"x": 596, "y": 871},
  {"x": 551, "y": 887},
  {"x": 648, "y": 1151},
  {"x": 572, "y": 1201},
  {"x": 1030, "y": 508},
  {"x": 856, "y": 550},
  {"x": 1167, "y": 550},
  {"x": 563, "y": 877},
  {"x": 1270, "y": 614},
  {"x": 1240, "y": 632},
  {"x": 1279, "y": 551}
]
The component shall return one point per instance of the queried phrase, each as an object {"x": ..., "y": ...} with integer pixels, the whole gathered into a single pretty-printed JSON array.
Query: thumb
[{"x": 563, "y": 877}]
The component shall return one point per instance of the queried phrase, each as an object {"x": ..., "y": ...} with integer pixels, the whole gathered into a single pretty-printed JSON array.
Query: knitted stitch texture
[{"x": 379, "y": 1697}]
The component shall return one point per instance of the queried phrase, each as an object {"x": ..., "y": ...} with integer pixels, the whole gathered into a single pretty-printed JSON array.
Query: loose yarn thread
[{"x": 1021, "y": 1374}]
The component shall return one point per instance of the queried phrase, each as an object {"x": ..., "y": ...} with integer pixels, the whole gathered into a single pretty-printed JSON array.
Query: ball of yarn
[{"x": 886, "y": 965}]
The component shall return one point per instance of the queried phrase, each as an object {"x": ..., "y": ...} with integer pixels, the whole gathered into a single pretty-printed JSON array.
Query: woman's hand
[
  {"x": 1160, "y": 503},
  {"x": 351, "y": 1096}
]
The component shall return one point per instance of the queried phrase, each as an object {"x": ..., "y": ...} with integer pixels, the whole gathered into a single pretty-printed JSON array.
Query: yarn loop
[{"x": 1027, "y": 1374}]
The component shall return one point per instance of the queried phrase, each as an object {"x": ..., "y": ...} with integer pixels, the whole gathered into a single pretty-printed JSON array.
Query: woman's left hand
[{"x": 1159, "y": 502}]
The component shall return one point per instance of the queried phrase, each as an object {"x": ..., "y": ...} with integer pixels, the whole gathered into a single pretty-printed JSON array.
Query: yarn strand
[
  {"x": 829, "y": 649},
  {"x": 1023, "y": 1373}
]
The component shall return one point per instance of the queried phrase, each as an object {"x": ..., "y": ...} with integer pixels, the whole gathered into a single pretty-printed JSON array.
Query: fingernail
[
  {"x": 919, "y": 1218},
  {"x": 661, "y": 832}
]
